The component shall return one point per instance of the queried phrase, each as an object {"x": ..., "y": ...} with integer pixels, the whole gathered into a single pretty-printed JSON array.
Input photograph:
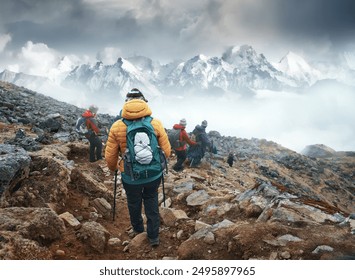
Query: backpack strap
[{"x": 127, "y": 122}]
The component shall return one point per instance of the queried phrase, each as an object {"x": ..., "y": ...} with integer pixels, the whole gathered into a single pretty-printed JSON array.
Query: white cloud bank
[
  {"x": 40, "y": 60},
  {"x": 291, "y": 120}
]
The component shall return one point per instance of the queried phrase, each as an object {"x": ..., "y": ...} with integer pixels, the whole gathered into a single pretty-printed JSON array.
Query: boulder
[
  {"x": 198, "y": 198},
  {"x": 94, "y": 235},
  {"x": 16, "y": 247},
  {"x": 14, "y": 167},
  {"x": 318, "y": 151},
  {"x": 170, "y": 216},
  {"x": 39, "y": 224}
]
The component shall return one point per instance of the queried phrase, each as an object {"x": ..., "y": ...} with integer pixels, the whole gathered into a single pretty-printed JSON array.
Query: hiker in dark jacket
[
  {"x": 197, "y": 152},
  {"x": 180, "y": 152},
  {"x": 230, "y": 159},
  {"x": 95, "y": 150}
]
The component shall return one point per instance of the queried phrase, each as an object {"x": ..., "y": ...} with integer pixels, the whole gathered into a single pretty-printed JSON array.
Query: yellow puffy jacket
[{"x": 116, "y": 142}]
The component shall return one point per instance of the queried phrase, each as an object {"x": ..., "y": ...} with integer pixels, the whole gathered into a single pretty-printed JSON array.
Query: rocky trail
[{"x": 271, "y": 204}]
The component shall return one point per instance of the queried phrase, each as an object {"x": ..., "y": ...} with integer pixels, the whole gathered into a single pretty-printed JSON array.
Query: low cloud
[
  {"x": 109, "y": 55},
  {"x": 40, "y": 60},
  {"x": 4, "y": 40},
  {"x": 292, "y": 120},
  {"x": 37, "y": 59}
]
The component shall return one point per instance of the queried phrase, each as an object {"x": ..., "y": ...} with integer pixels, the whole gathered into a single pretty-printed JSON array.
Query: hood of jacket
[
  {"x": 135, "y": 109},
  {"x": 200, "y": 128},
  {"x": 178, "y": 126},
  {"x": 88, "y": 114}
]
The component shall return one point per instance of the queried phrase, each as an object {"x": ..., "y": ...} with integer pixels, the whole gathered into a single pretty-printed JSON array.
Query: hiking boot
[
  {"x": 154, "y": 242},
  {"x": 132, "y": 233},
  {"x": 178, "y": 169}
]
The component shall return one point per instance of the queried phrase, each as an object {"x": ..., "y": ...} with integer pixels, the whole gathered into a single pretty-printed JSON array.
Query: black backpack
[{"x": 174, "y": 138}]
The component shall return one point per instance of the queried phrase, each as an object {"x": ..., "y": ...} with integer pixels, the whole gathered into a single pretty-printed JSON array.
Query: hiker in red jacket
[
  {"x": 181, "y": 151},
  {"x": 92, "y": 135}
]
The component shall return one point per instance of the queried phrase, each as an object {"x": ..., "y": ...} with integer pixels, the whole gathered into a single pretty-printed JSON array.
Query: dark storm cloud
[
  {"x": 57, "y": 23},
  {"x": 316, "y": 18},
  {"x": 78, "y": 25},
  {"x": 174, "y": 29}
]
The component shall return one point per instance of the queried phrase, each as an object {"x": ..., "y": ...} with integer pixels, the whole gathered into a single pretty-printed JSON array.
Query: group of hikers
[
  {"x": 197, "y": 146},
  {"x": 138, "y": 146}
]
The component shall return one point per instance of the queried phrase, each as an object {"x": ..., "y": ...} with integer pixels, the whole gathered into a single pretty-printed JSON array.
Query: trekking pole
[
  {"x": 162, "y": 181},
  {"x": 163, "y": 157},
  {"x": 114, "y": 197}
]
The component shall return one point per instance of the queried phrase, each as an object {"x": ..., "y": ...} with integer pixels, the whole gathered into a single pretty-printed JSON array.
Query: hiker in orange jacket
[
  {"x": 142, "y": 191},
  {"x": 95, "y": 149},
  {"x": 181, "y": 151}
]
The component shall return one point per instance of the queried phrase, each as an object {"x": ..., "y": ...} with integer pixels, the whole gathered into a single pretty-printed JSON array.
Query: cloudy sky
[
  {"x": 34, "y": 34},
  {"x": 166, "y": 30}
]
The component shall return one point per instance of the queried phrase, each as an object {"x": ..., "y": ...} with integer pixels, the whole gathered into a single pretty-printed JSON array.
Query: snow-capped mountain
[
  {"x": 252, "y": 70},
  {"x": 200, "y": 72},
  {"x": 297, "y": 68},
  {"x": 22, "y": 79},
  {"x": 237, "y": 70},
  {"x": 65, "y": 65},
  {"x": 119, "y": 78}
]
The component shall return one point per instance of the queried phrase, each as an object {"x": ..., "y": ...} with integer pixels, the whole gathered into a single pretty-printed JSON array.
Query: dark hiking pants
[
  {"x": 95, "y": 148},
  {"x": 148, "y": 195},
  {"x": 181, "y": 157}
]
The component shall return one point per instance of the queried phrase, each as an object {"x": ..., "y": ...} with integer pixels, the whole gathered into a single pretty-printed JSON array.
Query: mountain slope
[{"x": 271, "y": 204}]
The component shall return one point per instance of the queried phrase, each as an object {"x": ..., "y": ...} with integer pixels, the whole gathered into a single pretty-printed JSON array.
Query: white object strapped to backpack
[
  {"x": 142, "y": 149},
  {"x": 80, "y": 126},
  {"x": 143, "y": 158}
]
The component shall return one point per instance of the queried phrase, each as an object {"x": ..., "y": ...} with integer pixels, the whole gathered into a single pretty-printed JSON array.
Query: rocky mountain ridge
[
  {"x": 238, "y": 70},
  {"x": 273, "y": 203}
]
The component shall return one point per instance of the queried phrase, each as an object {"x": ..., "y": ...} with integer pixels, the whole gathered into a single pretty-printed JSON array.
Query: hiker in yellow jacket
[{"x": 145, "y": 191}]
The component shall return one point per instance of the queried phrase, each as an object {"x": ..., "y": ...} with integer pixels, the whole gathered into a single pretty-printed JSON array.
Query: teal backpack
[{"x": 144, "y": 161}]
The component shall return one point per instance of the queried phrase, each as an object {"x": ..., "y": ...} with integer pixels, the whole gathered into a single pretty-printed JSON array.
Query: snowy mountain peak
[
  {"x": 119, "y": 61},
  {"x": 126, "y": 65},
  {"x": 296, "y": 67},
  {"x": 66, "y": 64},
  {"x": 8, "y": 75},
  {"x": 98, "y": 65},
  {"x": 119, "y": 77},
  {"x": 293, "y": 63},
  {"x": 202, "y": 57},
  {"x": 239, "y": 68},
  {"x": 245, "y": 53},
  {"x": 246, "y": 50},
  {"x": 22, "y": 79},
  {"x": 142, "y": 63}
]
